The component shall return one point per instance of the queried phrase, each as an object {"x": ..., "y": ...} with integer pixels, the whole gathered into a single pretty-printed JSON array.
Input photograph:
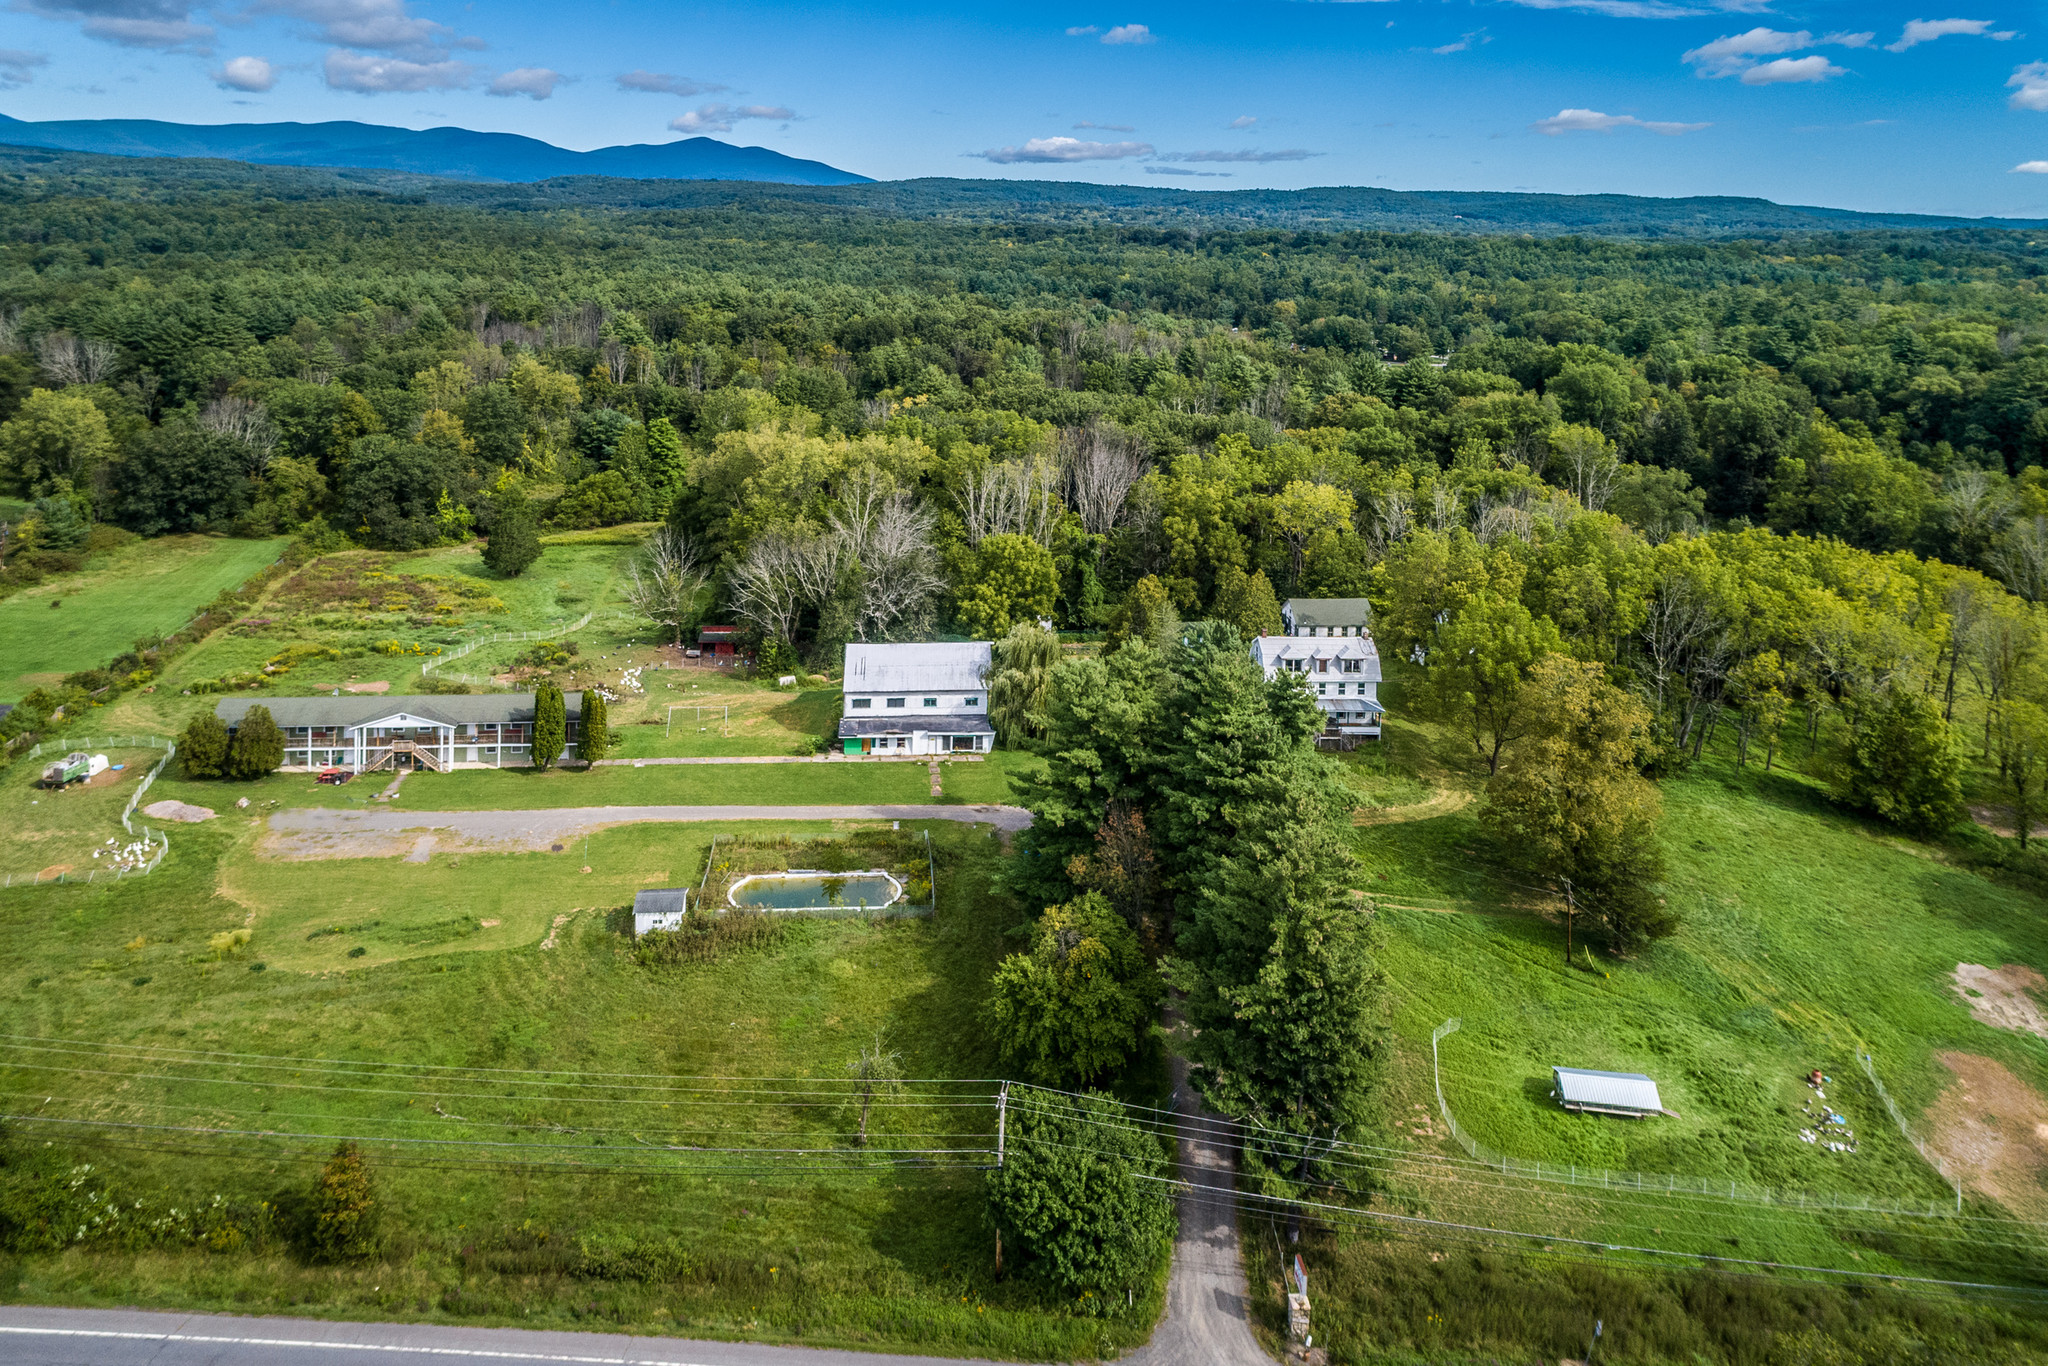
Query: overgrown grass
[
  {"x": 141, "y": 589},
  {"x": 893, "y": 1260}
]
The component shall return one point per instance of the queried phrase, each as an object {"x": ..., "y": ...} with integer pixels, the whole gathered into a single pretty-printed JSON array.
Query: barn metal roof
[
  {"x": 1328, "y": 611},
  {"x": 1611, "y": 1090},
  {"x": 447, "y": 709},
  {"x": 950, "y": 667}
]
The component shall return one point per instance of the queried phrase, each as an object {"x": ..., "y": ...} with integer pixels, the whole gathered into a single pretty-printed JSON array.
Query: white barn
[
  {"x": 916, "y": 699},
  {"x": 1328, "y": 641}
]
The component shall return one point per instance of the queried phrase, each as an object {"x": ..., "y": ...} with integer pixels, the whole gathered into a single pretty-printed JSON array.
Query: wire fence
[
  {"x": 439, "y": 663},
  {"x": 1891, "y": 1108},
  {"x": 1602, "y": 1178},
  {"x": 136, "y": 860}
]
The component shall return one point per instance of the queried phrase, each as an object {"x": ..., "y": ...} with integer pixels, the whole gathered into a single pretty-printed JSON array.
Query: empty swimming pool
[{"x": 811, "y": 891}]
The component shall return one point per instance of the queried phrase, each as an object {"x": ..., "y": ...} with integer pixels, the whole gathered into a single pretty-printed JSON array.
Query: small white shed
[
  {"x": 660, "y": 908},
  {"x": 1628, "y": 1094}
]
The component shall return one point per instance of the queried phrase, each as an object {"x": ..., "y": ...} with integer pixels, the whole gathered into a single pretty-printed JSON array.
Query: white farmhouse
[
  {"x": 1329, "y": 642},
  {"x": 916, "y": 699}
]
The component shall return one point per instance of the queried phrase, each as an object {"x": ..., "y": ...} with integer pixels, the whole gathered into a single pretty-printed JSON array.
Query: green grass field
[
  {"x": 146, "y": 588},
  {"x": 894, "y": 1259}
]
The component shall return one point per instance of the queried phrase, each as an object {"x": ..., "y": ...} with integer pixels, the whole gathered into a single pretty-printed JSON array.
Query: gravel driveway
[{"x": 321, "y": 832}]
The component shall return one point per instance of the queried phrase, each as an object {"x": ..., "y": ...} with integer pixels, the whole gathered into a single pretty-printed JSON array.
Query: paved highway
[{"x": 122, "y": 1337}]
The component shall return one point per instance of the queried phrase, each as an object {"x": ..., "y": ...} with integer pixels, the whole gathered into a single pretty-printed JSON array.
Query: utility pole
[
  {"x": 1570, "y": 907},
  {"x": 1002, "y": 1111}
]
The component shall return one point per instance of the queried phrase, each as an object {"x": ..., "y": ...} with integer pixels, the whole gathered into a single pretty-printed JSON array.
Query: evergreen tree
[
  {"x": 550, "y": 725},
  {"x": 203, "y": 748},
  {"x": 514, "y": 542},
  {"x": 1103, "y": 715},
  {"x": 258, "y": 746},
  {"x": 344, "y": 1209},
  {"x": 594, "y": 735},
  {"x": 1230, "y": 742},
  {"x": 1283, "y": 1000},
  {"x": 668, "y": 466}
]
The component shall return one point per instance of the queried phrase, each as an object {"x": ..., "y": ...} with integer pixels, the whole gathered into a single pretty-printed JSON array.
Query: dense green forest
[{"x": 867, "y": 426}]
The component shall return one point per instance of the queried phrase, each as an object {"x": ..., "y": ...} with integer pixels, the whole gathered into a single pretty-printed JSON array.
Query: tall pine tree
[{"x": 550, "y": 725}]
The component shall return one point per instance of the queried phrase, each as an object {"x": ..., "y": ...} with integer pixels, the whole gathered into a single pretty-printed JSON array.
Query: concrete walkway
[
  {"x": 372, "y": 832},
  {"x": 795, "y": 759}
]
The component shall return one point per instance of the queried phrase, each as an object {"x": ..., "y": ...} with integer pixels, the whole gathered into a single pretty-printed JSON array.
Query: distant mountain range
[
  {"x": 452, "y": 153},
  {"x": 502, "y": 171}
]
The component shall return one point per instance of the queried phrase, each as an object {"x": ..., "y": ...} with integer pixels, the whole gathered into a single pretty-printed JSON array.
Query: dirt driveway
[{"x": 320, "y": 832}]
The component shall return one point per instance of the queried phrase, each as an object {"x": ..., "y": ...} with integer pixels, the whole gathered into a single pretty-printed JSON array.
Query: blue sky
[{"x": 1860, "y": 106}]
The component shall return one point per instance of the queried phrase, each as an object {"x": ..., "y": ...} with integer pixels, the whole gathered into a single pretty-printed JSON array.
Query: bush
[
  {"x": 706, "y": 938},
  {"x": 342, "y": 1223},
  {"x": 1069, "y": 1010},
  {"x": 204, "y": 746},
  {"x": 1081, "y": 1196}
]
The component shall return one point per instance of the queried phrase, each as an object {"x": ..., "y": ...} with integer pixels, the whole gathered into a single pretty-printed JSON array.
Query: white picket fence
[
  {"x": 1603, "y": 1178},
  {"x": 440, "y": 662},
  {"x": 155, "y": 842}
]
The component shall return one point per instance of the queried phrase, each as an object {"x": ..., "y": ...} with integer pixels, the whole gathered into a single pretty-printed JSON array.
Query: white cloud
[
  {"x": 1736, "y": 52},
  {"x": 1619, "y": 9},
  {"x": 1464, "y": 43},
  {"x": 1129, "y": 34},
  {"x": 661, "y": 83},
  {"x": 252, "y": 74},
  {"x": 1064, "y": 149},
  {"x": 719, "y": 118},
  {"x": 1156, "y": 169},
  {"x": 1243, "y": 121},
  {"x": 1084, "y": 30},
  {"x": 373, "y": 25},
  {"x": 2029, "y": 84},
  {"x": 1792, "y": 71},
  {"x": 2030, "y": 168},
  {"x": 18, "y": 68},
  {"x": 1290, "y": 154},
  {"x": 534, "y": 82},
  {"x": 1593, "y": 121},
  {"x": 364, "y": 74},
  {"x": 165, "y": 25},
  {"x": 1107, "y": 127},
  {"x": 1918, "y": 31}
]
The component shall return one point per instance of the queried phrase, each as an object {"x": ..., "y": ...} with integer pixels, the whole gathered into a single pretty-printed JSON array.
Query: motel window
[
  {"x": 861, "y": 703},
  {"x": 931, "y": 701},
  {"x": 898, "y": 701}
]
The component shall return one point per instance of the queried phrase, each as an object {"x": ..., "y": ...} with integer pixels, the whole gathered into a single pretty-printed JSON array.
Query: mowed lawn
[{"x": 148, "y": 588}]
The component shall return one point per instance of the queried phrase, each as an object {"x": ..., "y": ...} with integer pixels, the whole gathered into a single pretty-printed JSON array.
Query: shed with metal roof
[
  {"x": 1630, "y": 1094},
  {"x": 660, "y": 908}
]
